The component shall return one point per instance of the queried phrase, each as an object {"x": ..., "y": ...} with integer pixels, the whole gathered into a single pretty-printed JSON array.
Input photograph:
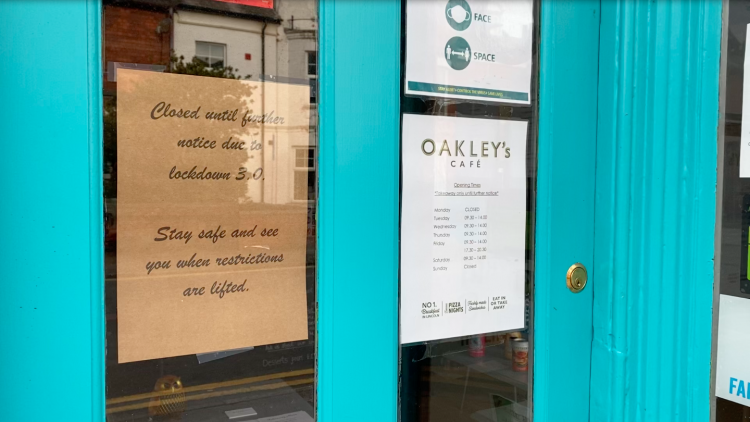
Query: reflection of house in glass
[
  {"x": 257, "y": 39},
  {"x": 282, "y": 170}
]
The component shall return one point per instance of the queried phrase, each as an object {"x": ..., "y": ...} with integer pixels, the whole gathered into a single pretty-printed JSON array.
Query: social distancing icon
[
  {"x": 457, "y": 53},
  {"x": 450, "y": 54}
]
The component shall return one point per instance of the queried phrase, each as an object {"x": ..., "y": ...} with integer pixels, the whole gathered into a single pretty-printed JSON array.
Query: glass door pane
[
  {"x": 210, "y": 172},
  {"x": 731, "y": 339},
  {"x": 479, "y": 228}
]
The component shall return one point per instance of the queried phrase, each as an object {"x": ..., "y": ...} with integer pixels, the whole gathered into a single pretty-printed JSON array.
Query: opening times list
[
  {"x": 469, "y": 235},
  {"x": 470, "y": 240}
]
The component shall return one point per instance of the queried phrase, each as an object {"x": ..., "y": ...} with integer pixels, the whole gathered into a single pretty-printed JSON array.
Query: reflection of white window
[
  {"x": 312, "y": 64},
  {"x": 212, "y": 54},
  {"x": 312, "y": 74},
  {"x": 304, "y": 174}
]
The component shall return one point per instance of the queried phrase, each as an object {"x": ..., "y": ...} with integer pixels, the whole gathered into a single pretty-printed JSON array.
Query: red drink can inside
[
  {"x": 476, "y": 346},
  {"x": 520, "y": 355}
]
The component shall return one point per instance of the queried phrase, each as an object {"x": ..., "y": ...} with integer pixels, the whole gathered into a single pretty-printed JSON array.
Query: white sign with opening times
[
  {"x": 463, "y": 227},
  {"x": 469, "y": 49}
]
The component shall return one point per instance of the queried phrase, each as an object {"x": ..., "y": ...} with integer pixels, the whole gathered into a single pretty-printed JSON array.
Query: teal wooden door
[
  {"x": 52, "y": 311},
  {"x": 626, "y": 165},
  {"x": 360, "y": 97},
  {"x": 359, "y": 117},
  {"x": 359, "y": 182}
]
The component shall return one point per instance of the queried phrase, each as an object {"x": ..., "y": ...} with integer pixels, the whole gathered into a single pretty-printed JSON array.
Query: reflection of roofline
[
  {"x": 231, "y": 9},
  {"x": 155, "y": 5},
  {"x": 300, "y": 31},
  {"x": 207, "y": 6}
]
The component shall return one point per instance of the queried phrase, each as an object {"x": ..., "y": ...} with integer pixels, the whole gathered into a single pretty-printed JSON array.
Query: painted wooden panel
[
  {"x": 569, "y": 47},
  {"x": 51, "y": 306},
  {"x": 358, "y": 210},
  {"x": 655, "y": 205}
]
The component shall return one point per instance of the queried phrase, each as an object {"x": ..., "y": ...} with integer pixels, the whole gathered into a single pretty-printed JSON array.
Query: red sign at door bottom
[{"x": 266, "y": 4}]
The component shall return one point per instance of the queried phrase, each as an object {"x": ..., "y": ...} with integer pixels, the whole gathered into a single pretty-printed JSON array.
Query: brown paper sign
[{"x": 211, "y": 242}]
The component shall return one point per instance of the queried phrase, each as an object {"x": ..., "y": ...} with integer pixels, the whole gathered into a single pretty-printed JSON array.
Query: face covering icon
[{"x": 457, "y": 13}]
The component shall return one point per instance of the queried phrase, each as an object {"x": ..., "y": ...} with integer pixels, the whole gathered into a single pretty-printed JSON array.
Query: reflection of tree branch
[
  {"x": 190, "y": 92},
  {"x": 241, "y": 92},
  {"x": 194, "y": 67},
  {"x": 198, "y": 67},
  {"x": 110, "y": 146}
]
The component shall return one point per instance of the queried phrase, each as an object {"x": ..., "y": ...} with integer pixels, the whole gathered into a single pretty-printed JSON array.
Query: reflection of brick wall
[{"x": 130, "y": 37}]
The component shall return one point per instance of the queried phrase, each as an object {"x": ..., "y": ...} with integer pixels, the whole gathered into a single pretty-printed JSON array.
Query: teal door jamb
[
  {"x": 655, "y": 210},
  {"x": 52, "y": 304},
  {"x": 568, "y": 62},
  {"x": 360, "y": 44}
]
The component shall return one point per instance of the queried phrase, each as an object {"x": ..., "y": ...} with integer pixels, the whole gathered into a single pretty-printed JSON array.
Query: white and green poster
[{"x": 469, "y": 49}]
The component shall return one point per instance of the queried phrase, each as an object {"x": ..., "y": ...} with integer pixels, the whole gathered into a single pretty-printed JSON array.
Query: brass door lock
[{"x": 577, "y": 277}]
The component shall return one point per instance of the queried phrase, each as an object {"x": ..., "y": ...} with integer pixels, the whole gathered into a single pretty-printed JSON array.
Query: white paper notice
[
  {"x": 469, "y": 49},
  {"x": 732, "y": 369},
  {"x": 745, "y": 134},
  {"x": 463, "y": 226}
]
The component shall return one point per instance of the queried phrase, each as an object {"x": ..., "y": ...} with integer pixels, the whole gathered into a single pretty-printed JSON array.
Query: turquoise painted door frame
[
  {"x": 52, "y": 303},
  {"x": 358, "y": 210},
  {"x": 655, "y": 210},
  {"x": 628, "y": 102},
  {"x": 568, "y": 63}
]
